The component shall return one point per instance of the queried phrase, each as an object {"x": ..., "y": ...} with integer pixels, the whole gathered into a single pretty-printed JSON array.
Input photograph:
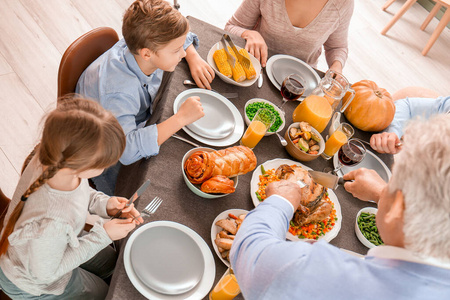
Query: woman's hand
[
  {"x": 190, "y": 111},
  {"x": 201, "y": 71},
  {"x": 115, "y": 204},
  {"x": 336, "y": 66},
  {"x": 256, "y": 45},
  {"x": 119, "y": 228}
]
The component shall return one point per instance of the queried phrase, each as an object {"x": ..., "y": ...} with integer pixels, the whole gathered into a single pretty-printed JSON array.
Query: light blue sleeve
[
  {"x": 409, "y": 108},
  {"x": 140, "y": 142},
  {"x": 191, "y": 38},
  {"x": 260, "y": 251}
]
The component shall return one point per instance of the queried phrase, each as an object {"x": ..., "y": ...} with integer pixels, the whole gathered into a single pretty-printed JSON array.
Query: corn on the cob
[
  {"x": 220, "y": 58},
  {"x": 237, "y": 70},
  {"x": 250, "y": 72}
]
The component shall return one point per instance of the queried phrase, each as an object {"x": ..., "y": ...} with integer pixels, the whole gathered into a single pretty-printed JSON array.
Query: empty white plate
[
  {"x": 167, "y": 260},
  {"x": 220, "y": 116},
  {"x": 280, "y": 66},
  {"x": 370, "y": 161}
]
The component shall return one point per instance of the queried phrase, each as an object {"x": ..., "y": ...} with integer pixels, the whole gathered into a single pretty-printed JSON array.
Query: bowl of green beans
[
  {"x": 252, "y": 106},
  {"x": 366, "y": 228}
]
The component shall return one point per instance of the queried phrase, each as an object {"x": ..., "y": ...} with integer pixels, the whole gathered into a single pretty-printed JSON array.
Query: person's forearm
[
  {"x": 191, "y": 54},
  {"x": 168, "y": 127}
]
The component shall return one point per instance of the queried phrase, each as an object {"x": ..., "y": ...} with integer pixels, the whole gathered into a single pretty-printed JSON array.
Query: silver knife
[
  {"x": 260, "y": 78},
  {"x": 327, "y": 180},
  {"x": 136, "y": 195}
]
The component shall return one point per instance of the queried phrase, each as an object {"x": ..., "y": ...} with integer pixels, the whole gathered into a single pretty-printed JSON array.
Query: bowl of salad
[{"x": 252, "y": 106}]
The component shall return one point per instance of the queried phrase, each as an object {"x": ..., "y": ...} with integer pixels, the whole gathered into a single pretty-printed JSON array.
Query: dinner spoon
[{"x": 282, "y": 140}]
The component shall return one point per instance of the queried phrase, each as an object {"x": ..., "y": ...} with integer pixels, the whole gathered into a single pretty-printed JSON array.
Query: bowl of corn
[{"x": 237, "y": 75}]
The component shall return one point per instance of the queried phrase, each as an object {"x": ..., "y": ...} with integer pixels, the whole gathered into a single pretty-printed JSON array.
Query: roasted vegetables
[
  {"x": 220, "y": 58},
  {"x": 304, "y": 138}
]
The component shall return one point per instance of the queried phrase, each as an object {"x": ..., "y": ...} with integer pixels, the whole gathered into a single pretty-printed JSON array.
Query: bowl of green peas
[
  {"x": 252, "y": 106},
  {"x": 366, "y": 227}
]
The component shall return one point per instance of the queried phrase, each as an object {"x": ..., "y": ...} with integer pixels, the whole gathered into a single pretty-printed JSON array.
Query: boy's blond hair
[{"x": 152, "y": 24}]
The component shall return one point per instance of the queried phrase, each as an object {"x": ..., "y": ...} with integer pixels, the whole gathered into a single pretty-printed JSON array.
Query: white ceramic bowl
[
  {"x": 196, "y": 188},
  {"x": 247, "y": 120},
  {"x": 246, "y": 82},
  {"x": 360, "y": 236}
]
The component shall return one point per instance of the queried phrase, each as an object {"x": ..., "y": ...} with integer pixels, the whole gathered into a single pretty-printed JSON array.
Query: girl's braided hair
[{"x": 80, "y": 135}]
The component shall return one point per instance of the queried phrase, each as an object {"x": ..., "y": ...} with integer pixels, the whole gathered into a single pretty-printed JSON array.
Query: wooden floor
[{"x": 35, "y": 33}]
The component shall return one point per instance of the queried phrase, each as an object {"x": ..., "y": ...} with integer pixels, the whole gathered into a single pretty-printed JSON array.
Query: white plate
[
  {"x": 211, "y": 115},
  {"x": 275, "y": 163},
  {"x": 216, "y": 229},
  {"x": 209, "y": 271},
  {"x": 295, "y": 65},
  {"x": 370, "y": 161},
  {"x": 244, "y": 83}
]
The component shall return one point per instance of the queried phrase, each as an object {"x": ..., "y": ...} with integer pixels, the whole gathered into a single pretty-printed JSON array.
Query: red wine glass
[{"x": 292, "y": 88}]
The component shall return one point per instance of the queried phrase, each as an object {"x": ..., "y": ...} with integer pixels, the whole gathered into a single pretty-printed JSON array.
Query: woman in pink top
[{"x": 295, "y": 27}]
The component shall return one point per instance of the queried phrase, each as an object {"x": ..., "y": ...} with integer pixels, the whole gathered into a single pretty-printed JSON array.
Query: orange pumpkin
[{"x": 372, "y": 109}]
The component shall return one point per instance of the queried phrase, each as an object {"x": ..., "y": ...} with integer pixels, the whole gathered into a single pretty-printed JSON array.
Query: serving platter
[
  {"x": 275, "y": 163},
  {"x": 279, "y": 66},
  {"x": 222, "y": 124},
  {"x": 246, "y": 82},
  {"x": 163, "y": 232},
  {"x": 216, "y": 229}
]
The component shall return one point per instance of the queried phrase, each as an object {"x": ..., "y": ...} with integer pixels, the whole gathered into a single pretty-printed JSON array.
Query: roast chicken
[{"x": 313, "y": 208}]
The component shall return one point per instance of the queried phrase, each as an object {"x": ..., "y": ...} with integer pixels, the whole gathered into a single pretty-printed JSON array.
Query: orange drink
[
  {"x": 334, "y": 143},
  {"x": 261, "y": 122},
  {"x": 226, "y": 289},
  {"x": 337, "y": 139},
  {"x": 254, "y": 134},
  {"x": 316, "y": 110}
]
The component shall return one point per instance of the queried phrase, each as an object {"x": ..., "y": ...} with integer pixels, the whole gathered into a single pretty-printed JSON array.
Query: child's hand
[
  {"x": 119, "y": 228},
  {"x": 201, "y": 71},
  {"x": 117, "y": 203},
  {"x": 190, "y": 111}
]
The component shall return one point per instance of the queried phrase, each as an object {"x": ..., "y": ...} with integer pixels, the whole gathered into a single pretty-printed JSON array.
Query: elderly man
[{"x": 413, "y": 220}]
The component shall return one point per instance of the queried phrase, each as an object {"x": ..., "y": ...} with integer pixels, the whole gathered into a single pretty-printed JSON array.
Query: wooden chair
[
  {"x": 442, "y": 24},
  {"x": 80, "y": 54}
]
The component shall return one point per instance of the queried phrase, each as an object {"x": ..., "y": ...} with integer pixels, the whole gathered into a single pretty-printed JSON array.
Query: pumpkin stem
[{"x": 378, "y": 94}]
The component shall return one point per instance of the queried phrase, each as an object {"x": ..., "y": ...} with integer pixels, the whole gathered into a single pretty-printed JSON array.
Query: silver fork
[
  {"x": 241, "y": 58},
  {"x": 150, "y": 208}
]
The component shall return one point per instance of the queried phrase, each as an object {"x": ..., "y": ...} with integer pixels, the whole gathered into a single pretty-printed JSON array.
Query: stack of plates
[
  {"x": 167, "y": 260},
  {"x": 222, "y": 124},
  {"x": 280, "y": 66}
]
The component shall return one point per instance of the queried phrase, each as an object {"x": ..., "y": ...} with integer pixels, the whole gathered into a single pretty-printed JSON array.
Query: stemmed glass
[
  {"x": 350, "y": 154},
  {"x": 292, "y": 88}
]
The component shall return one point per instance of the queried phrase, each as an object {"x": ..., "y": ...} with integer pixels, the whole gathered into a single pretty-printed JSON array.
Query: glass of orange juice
[
  {"x": 261, "y": 122},
  {"x": 227, "y": 288},
  {"x": 340, "y": 136}
]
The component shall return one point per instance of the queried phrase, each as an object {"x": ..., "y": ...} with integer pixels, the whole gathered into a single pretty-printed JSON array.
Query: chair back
[{"x": 80, "y": 54}]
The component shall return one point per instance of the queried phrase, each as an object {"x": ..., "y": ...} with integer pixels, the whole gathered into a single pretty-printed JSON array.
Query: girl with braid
[{"x": 42, "y": 251}]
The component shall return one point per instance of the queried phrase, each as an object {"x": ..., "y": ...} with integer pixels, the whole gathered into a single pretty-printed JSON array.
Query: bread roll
[
  {"x": 218, "y": 184},
  {"x": 229, "y": 162}
]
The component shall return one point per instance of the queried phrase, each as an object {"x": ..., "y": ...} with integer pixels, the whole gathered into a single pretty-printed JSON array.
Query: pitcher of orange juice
[{"x": 319, "y": 106}]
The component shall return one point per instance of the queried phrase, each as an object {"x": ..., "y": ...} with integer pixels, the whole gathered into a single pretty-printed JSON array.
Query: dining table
[{"x": 180, "y": 204}]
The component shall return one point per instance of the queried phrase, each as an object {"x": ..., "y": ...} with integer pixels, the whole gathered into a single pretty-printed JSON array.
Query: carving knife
[{"x": 327, "y": 180}]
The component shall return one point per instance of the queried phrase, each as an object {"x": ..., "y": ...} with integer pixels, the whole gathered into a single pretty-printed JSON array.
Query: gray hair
[{"x": 422, "y": 172}]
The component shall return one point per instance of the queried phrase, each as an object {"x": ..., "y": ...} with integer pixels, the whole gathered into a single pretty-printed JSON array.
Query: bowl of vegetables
[
  {"x": 304, "y": 142},
  {"x": 252, "y": 106},
  {"x": 366, "y": 228}
]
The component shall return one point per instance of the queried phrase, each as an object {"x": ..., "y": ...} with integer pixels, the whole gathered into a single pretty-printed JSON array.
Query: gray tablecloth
[{"x": 180, "y": 204}]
